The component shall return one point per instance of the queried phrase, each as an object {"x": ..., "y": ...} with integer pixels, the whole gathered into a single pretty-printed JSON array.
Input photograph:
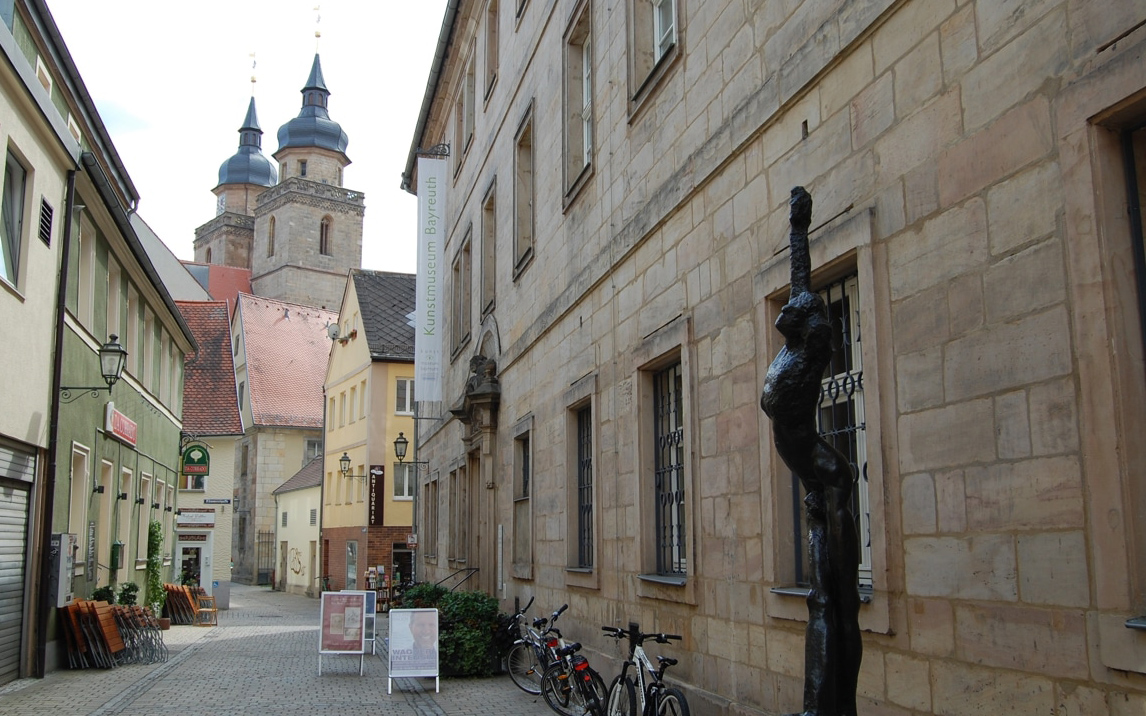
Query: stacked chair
[{"x": 99, "y": 635}]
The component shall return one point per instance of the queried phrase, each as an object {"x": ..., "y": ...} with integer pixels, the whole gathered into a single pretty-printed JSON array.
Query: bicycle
[
  {"x": 571, "y": 687},
  {"x": 533, "y": 650},
  {"x": 657, "y": 698}
]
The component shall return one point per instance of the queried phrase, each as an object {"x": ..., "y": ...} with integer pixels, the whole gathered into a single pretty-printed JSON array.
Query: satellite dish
[{"x": 332, "y": 331}]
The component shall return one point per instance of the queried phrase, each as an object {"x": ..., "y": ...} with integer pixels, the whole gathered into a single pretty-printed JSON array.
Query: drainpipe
[{"x": 40, "y": 645}]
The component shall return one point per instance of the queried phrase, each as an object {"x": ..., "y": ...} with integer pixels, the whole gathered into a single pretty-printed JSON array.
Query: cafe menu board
[{"x": 342, "y": 623}]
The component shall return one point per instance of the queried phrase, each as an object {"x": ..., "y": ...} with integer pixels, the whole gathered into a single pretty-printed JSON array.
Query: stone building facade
[{"x": 617, "y": 233}]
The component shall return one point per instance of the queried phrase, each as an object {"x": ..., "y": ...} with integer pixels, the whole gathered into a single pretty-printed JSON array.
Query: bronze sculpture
[{"x": 833, "y": 647}]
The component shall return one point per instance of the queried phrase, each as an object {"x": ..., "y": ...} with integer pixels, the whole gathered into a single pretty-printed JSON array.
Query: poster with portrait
[
  {"x": 343, "y": 623},
  {"x": 413, "y": 642}
]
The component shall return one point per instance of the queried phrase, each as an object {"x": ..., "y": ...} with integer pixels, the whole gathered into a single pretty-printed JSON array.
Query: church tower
[
  {"x": 227, "y": 238},
  {"x": 308, "y": 228}
]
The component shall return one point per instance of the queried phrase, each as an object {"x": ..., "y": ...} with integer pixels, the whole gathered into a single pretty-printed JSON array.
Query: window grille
[
  {"x": 584, "y": 488},
  {"x": 669, "y": 471}
]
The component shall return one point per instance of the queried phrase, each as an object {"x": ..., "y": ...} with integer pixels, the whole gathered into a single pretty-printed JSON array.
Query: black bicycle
[
  {"x": 571, "y": 687},
  {"x": 657, "y": 698}
]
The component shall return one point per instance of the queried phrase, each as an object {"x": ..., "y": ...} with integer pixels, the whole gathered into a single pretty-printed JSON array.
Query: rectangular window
[
  {"x": 523, "y": 196},
  {"x": 12, "y": 218},
  {"x": 404, "y": 396},
  {"x": 313, "y": 517},
  {"x": 522, "y": 505},
  {"x": 459, "y": 515},
  {"x": 147, "y": 347},
  {"x": 464, "y": 111},
  {"x": 130, "y": 340},
  {"x": 284, "y": 523},
  {"x": 362, "y": 401},
  {"x": 361, "y": 482},
  {"x": 578, "y": 124},
  {"x": 489, "y": 250},
  {"x": 652, "y": 42},
  {"x": 329, "y": 415},
  {"x": 81, "y": 492},
  {"x": 123, "y": 506},
  {"x": 143, "y": 509},
  {"x": 114, "y": 293},
  {"x": 342, "y": 409},
  {"x": 430, "y": 519},
  {"x": 313, "y": 450},
  {"x": 841, "y": 422},
  {"x": 353, "y": 402},
  {"x": 585, "y": 488},
  {"x": 669, "y": 488},
  {"x": 86, "y": 280},
  {"x": 328, "y": 488},
  {"x": 491, "y": 46},
  {"x": 403, "y": 481},
  {"x": 462, "y": 313}
]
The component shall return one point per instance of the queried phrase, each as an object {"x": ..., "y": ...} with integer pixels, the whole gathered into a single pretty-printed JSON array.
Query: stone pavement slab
[{"x": 262, "y": 658}]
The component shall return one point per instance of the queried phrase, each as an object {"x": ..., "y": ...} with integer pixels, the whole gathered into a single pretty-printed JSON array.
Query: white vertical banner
[{"x": 428, "y": 314}]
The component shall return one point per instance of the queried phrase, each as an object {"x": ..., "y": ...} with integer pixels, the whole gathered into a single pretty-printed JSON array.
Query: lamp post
[{"x": 112, "y": 357}]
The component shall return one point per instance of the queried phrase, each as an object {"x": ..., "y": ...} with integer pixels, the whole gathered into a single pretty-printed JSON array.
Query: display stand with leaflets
[
  {"x": 371, "y": 611},
  {"x": 413, "y": 645},
  {"x": 342, "y": 626}
]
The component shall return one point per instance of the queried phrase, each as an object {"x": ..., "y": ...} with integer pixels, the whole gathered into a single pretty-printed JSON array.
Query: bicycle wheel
[
  {"x": 524, "y": 669},
  {"x": 672, "y": 703},
  {"x": 599, "y": 697},
  {"x": 622, "y": 698},
  {"x": 558, "y": 690}
]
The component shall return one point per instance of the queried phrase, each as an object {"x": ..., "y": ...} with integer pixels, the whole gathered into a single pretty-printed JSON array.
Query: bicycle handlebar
[{"x": 638, "y": 637}]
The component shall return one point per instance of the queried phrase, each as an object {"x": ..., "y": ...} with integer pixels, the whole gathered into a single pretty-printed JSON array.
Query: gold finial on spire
[
  {"x": 254, "y": 63},
  {"x": 317, "y": 31}
]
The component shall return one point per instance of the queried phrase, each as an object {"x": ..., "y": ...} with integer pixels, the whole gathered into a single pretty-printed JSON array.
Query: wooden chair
[{"x": 206, "y": 613}]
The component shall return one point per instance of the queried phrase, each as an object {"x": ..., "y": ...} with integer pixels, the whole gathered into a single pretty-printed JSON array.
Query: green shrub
[
  {"x": 156, "y": 595},
  {"x": 104, "y": 594},
  {"x": 127, "y": 593},
  {"x": 466, "y": 625},
  {"x": 468, "y": 621},
  {"x": 422, "y": 596}
]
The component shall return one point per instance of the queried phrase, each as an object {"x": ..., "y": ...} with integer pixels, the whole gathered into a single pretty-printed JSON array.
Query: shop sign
[
  {"x": 119, "y": 425},
  {"x": 196, "y": 460},
  {"x": 412, "y": 540},
  {"x": 195, "y": 517},
  {"x": 377, "y": 489},
  {"x": 192, "y": 538}
]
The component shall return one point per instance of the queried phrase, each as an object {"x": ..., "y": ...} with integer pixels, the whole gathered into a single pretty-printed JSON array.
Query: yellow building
[{"x": 367, "y": 495}]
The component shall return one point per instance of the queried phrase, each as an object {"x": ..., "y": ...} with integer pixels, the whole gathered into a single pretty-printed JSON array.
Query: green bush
[
  {"x": 466, "y": 625},
  {"x": 127, "y": 593},
  {"x": 468, "y": 621},
  {"x": 104, "y": 594},
  {"x": 422, "y": 596},
  {"x": 156, "y": 595}
]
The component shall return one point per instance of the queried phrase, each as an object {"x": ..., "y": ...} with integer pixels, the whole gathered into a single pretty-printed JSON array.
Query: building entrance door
[
  {"x": 191, "y": 566},
  {"x": 403, "y": 570}
]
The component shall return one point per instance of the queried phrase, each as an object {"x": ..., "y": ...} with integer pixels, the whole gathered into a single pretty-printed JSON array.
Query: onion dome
[
  {"x": 249, "y": 165},
  {"x": 313, "y": 126}
]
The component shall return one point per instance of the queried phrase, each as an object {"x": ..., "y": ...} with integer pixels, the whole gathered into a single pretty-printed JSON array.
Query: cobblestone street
[{"x": 261, "y": 659}]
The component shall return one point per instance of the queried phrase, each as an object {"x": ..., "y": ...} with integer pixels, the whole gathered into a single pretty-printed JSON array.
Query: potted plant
[
  {"x": 104, "y": 594},
  {"x": 127, "y": 593},
  {"x": 155, "y": 595}
]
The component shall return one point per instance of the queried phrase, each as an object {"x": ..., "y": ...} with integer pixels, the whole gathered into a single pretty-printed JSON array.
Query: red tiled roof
[
  {"x": 287, "y": 348},
  {"x": 210, "y": 404}
]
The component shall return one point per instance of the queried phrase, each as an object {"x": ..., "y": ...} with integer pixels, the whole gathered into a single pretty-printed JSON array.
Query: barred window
[
  {"x": 841, "y": 421},
  {"x": 585, "y": 487},
  {"x": 669, "y": 471}
]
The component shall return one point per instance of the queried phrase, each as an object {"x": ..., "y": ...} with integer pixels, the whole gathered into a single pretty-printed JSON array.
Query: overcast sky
[{"x": 172, "y": 82}]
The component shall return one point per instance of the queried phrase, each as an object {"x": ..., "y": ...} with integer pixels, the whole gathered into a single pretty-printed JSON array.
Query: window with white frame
[
  {"x": 78, "y": 501},
  {"x": 143, "y": 510},
  {"x": 578, "y": 115},
  {"x": 523, "y": 190},
  {"x": 12, "y": 218},
  {"x": 313, "y": 449},
  {"x": 362, "y": 400},
  {"x": 403, "y": 481},
  {"x": 114, "y": 294},
  {"x": 464, "y": 111},
  {"x": 130, "y": 340},
  {"x": 353, "y": 413},
  {"x": 85, "y": 298},
  {"x": 404, "y": 396},
  {"x": 653, "y": 41}
]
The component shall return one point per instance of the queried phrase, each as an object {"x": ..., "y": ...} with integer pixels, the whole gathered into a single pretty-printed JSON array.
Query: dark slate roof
[
  {"x": 249, "y": 165},
  {"x": 386, "y": 301},
  {"x": 313, "y": 126},
  {"x": 309, "y": 476},
  {"x": 210, "y": 404},
  {"x": 286, "y": 350}
]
